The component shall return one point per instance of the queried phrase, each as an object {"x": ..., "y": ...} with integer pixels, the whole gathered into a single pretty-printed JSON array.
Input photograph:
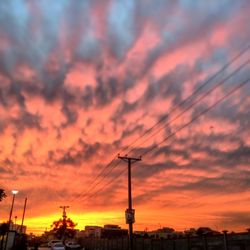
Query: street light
[{"x": 14, "y": 192}]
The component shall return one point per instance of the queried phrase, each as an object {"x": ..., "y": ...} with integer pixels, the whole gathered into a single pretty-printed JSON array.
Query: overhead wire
[
  {"x": 103, "y": 176},
  {"x": 172, "y": 134},
  {"x": 198, "y": 116},
  {"x": 194, "y": 103},
  {"x": 206, "y": 94},
  {"x": 101, "y": 173},
  {"x": 232, "y": 91},
  {"x": 236, "y": 57}
]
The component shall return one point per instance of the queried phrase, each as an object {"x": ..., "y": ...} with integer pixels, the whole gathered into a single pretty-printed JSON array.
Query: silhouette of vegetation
[
  {"x": 20, "y": 242},
  {"x": 2, "y": 194},
  {"x": 3, "y": 231},
  {"x": 64, "y": 228},
  {"x": 201, "y": 231}
]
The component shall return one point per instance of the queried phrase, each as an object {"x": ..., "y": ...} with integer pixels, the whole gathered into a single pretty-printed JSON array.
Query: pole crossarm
[
  {"x": 131, "y": 159},
  {"x": 64, "y": 211}
]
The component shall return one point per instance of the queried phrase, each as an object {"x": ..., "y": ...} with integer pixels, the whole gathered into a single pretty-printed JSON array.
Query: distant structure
[
  {"x": 92, "y": 232},
  {"x": 17, "y": 228},
  {"x": 107, "y": 231},
  {"x": 161, "y": 233}
]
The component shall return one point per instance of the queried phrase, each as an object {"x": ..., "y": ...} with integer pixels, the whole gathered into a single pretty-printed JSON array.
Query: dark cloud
[
  {"x": 87, "y": 97},
  {"x": 102, "y": 93},
  {"x": 3, "y": 170},
  {"x": 39, "y": 49},
  {"x": 15, "y": 90},
  {"x": 241, "y": 155},
  {"x": 38, "y": 197},
  {"x": 76, "y": 155},
  {"x": 123, "y": 110},
  {"x": 30, "y": 157},
  {"x": 71, "y": 116},
  {"x": 130, "y": 131},
  {"x": 214, "y": 159},
  {"x": 105, "y": 91},
  {"x": 144, "y": 171},
  {"x": 170, "y": 85},
  {"x": 229, "y": 158},
  {"x": 27, "y": 120},
  {"x": 189, "y": 29},
  {"x": 227, "y": 183},
  {"x": 235, "y": 219}
]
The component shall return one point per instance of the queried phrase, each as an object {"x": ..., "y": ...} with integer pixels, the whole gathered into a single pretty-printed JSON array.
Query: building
[
  {"x": 80, "y": 234},
  {"x": 17, "y": 228},
  {"x": 113, "y": 231},
  {"x": 92, "y": 232},
  {"x": 108, "y": 231}
]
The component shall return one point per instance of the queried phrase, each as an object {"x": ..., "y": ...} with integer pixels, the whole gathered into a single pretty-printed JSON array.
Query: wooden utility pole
[
  {"x": 64, "y": 211},
  {"x": 130, "y": 219},
  {"x": 64, "y": 220},
  {"x": 24, "y": 210}
]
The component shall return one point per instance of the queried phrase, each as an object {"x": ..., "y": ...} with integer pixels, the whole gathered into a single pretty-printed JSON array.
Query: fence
[{"x": 218, "y": 242}]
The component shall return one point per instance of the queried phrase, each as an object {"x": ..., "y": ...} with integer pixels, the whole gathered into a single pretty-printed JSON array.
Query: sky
[{"x": 81, "y": 81}]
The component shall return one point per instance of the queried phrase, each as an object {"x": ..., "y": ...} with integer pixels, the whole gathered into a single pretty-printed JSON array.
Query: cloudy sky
[{"x": 81, "y": 81}]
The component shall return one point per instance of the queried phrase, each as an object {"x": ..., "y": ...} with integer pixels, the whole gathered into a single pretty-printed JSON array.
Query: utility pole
[
  {"x": 130, "y": 212},
  {"x": 64, "y": 220},
  {"x": 64, "y": 212},
  {"x": 24, "y": 210}
]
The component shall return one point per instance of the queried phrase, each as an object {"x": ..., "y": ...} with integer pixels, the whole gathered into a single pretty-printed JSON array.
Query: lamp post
[{"x": 14, "y": 192}]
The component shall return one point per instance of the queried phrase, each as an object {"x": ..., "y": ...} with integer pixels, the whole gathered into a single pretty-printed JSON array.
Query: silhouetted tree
[
  {"x": 3, "y": 231},
  {"x": 201, "y": 231},
  {"x": 64, "y": 228},
  {"x": 20, "y": 242},
  {"x": 2, "y": 194}
]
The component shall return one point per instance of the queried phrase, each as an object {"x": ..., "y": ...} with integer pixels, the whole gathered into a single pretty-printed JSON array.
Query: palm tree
[{"x": 2, "y": 194}]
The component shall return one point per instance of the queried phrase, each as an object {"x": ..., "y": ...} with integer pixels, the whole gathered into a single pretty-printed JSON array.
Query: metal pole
[
  {"x": 11, "y": 210},
  {"x": 205, "y": 242},
  {"x": 174, "y": 245},
  {"x": 225, "y": 239},
  {"x": 24, "y": 210}
]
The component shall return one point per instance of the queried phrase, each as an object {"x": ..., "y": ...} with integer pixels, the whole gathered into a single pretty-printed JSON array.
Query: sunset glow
[{"x": 82, "y": 81}]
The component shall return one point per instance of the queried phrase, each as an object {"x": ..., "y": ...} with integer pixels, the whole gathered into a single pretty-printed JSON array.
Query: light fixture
[{"x": 14, "y": 191}]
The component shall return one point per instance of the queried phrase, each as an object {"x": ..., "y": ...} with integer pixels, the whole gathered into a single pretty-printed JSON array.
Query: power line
[
  {"x": 198, "y": 116},
  {"x": 101, "y": 188},
  {"x": 99, "y": 182},
  {"x": 174, "y": 133},
  {"x": 95, "y": 179},
  {"x": 196, "y": 101},
  {"x": 191, "y": 95},
  {"x": 162, "y": 120},
  {"x": 188, "y": 108}
]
